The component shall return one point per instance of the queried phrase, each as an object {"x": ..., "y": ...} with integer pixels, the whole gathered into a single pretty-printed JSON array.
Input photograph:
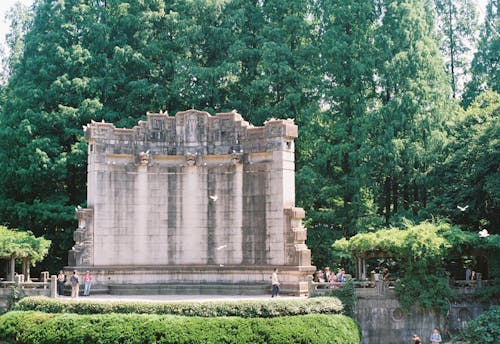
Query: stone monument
[{"x": 197, "y": 202}]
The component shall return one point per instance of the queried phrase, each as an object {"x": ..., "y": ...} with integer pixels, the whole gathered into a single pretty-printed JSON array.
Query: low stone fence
[
  {"x": 365, "y": 287},
  {"x": 372, "y": 288},
  {"x": 45, "y": 287}
]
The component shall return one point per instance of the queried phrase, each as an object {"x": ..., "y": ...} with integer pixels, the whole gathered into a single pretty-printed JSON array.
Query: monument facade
[{"x": 193, "y": 200}]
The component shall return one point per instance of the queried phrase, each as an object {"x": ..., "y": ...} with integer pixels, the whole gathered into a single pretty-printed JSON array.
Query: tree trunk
[
  {"x": 395, "y": 195},
  {"x": 387, "y": 193}
]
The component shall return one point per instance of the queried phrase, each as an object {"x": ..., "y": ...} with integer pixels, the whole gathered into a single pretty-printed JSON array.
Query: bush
[
  {"x": 485, "y": 329},
  {"x": 244, "y": 309},
  {"x": 345, "y": 294},
  {"x": 37, "y": 327}
]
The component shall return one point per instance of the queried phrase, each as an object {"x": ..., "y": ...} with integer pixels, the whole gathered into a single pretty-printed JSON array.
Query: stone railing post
[
  {"x": 19, "y": 278},
  {"x": 380, "y": 287},
  {"x": 53, "y": 286},
  {"x": 310, "y": 285},
  {"x": 479, "y": 279}
]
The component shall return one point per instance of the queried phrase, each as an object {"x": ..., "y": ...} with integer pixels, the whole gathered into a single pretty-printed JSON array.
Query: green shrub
[
  {"x": 345, "y": 294},
  {"x": 36, "y": 327},
  {"x": 245, "y": 309},
  {"x": 485, "y": 329}
]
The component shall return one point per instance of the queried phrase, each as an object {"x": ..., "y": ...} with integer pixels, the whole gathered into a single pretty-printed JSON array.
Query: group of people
[
  {"x": 435, "y": 337},
  {"x": 74, "y": 281},
  {"x": 329, "y": 276}
]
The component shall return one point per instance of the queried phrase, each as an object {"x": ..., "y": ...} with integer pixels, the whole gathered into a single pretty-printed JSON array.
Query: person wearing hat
[
  {"x": 416, "y": 339},
  {"x": 87, "y": 280}
]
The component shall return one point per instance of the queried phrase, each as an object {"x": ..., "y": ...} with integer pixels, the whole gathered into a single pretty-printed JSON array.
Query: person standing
[
  {"x": 435, "y": 336},
  {"x": 275, "y": 283},
  {"x": 75, "y": 284},
  {"x": 61, "y": 278},
  {"x": 327, "y": 274},
  {"x": 340, "y": 276},
  {"x": 87, "y": 280},
  {"x": 468, "y": 273}
]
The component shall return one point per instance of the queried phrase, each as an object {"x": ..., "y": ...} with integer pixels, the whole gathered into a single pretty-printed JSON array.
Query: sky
[{"x": 5, "y": 5}]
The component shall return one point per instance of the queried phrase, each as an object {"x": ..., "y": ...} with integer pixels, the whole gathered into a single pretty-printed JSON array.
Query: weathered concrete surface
[
  {"x": 177, "y": 198},
  {"x": 382, "y": 321}
]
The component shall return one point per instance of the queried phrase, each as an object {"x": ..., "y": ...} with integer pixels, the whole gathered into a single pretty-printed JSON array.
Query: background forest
[{"x": 397, "y": 102}]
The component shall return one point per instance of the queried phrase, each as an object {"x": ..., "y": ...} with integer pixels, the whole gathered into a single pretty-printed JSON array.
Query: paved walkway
[{"x": 180, "y": 298}]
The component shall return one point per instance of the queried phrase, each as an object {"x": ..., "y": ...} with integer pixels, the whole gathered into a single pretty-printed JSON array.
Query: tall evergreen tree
[
  {"x": 40, "y": 124},
  {"x": 114, "y": 61},
  {"x": 277, "y": 59},
  {"x": 485, "y": 71},
  {"x": 412, "y": 89},
  {"x": 457, "y": 23},
  {"x": 347, "y": 65},
  {"x": 469, "y": 175}
]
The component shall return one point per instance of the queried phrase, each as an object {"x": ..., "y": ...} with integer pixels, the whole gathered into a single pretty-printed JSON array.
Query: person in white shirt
[{"x": 275, "y": 283}]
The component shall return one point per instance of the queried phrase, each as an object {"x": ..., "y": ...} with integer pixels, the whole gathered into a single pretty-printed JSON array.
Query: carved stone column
[
  {"x": 82, "y": 252},
  {"x": 297, "y": 251}
]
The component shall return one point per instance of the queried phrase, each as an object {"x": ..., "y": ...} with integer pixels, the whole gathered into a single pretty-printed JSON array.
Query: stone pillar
[
  {"x": 360, "y": 268},
  {"x": 82, "y": 252},
  {"x": 12, "y": 270},
  {"x": 297, "y": 251},
  {"x": 379, "y": 284},
  {"x": 53, "y": 286},
  {"x": 26, "y": 268},
  {"x": 19, "y": 278}
]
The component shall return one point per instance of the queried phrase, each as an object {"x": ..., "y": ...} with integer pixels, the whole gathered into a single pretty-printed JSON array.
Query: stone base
[
  {"x": 190, "y": 289},
  {"x": 195, "y": 280}
]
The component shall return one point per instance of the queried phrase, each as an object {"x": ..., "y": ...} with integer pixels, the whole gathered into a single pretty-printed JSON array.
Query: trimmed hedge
[
  {"x": 37, "y": 327},
  {"x": 245, "y": 309}
]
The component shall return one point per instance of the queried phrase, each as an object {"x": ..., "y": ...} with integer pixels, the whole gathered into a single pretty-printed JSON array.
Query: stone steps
[{"x": 190, "y": 289}]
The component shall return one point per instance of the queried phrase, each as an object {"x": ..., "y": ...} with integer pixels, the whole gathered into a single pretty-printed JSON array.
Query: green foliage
[
  {"x": 430, "y": 291},
  {"x": 14, "y": 296},
  {"x": 457, "y": 25},
  {"x": 36, "y": 327},
  {"x": 364, "y": 81},
  {"x": 22, "y": 244},
  {"x": 115, "y": 60},
  {"x": 245, "y": 309},
  {"x": 484, "y": 329},
  {"x": 469, "y": 175},
  {"x": 485, "y": 74},
  {"x": 421, "y": 249},
  {"x": 346, "y": 294},
  {"x": 411, "y": 113}
]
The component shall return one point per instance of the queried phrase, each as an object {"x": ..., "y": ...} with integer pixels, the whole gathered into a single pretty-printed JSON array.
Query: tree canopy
[
  {"x": 18, "y": 244},
  {"x": 381, "y": 138},
  {"x": 421, "y": 251}
]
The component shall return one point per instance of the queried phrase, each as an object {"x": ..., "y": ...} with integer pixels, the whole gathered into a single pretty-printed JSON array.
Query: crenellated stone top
[{"x": 193, "y": 132}]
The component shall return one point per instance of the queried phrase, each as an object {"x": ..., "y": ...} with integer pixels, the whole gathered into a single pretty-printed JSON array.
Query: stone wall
[
  {"x": 382, "y": 320},
  {"x": 192, "y": 191}
]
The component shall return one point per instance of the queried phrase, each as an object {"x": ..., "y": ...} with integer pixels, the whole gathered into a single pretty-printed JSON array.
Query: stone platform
[
  {"x": 190, "y": 289},
  {"x": 195, "y": 279},
  {"x": 194, "y": 199}
]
